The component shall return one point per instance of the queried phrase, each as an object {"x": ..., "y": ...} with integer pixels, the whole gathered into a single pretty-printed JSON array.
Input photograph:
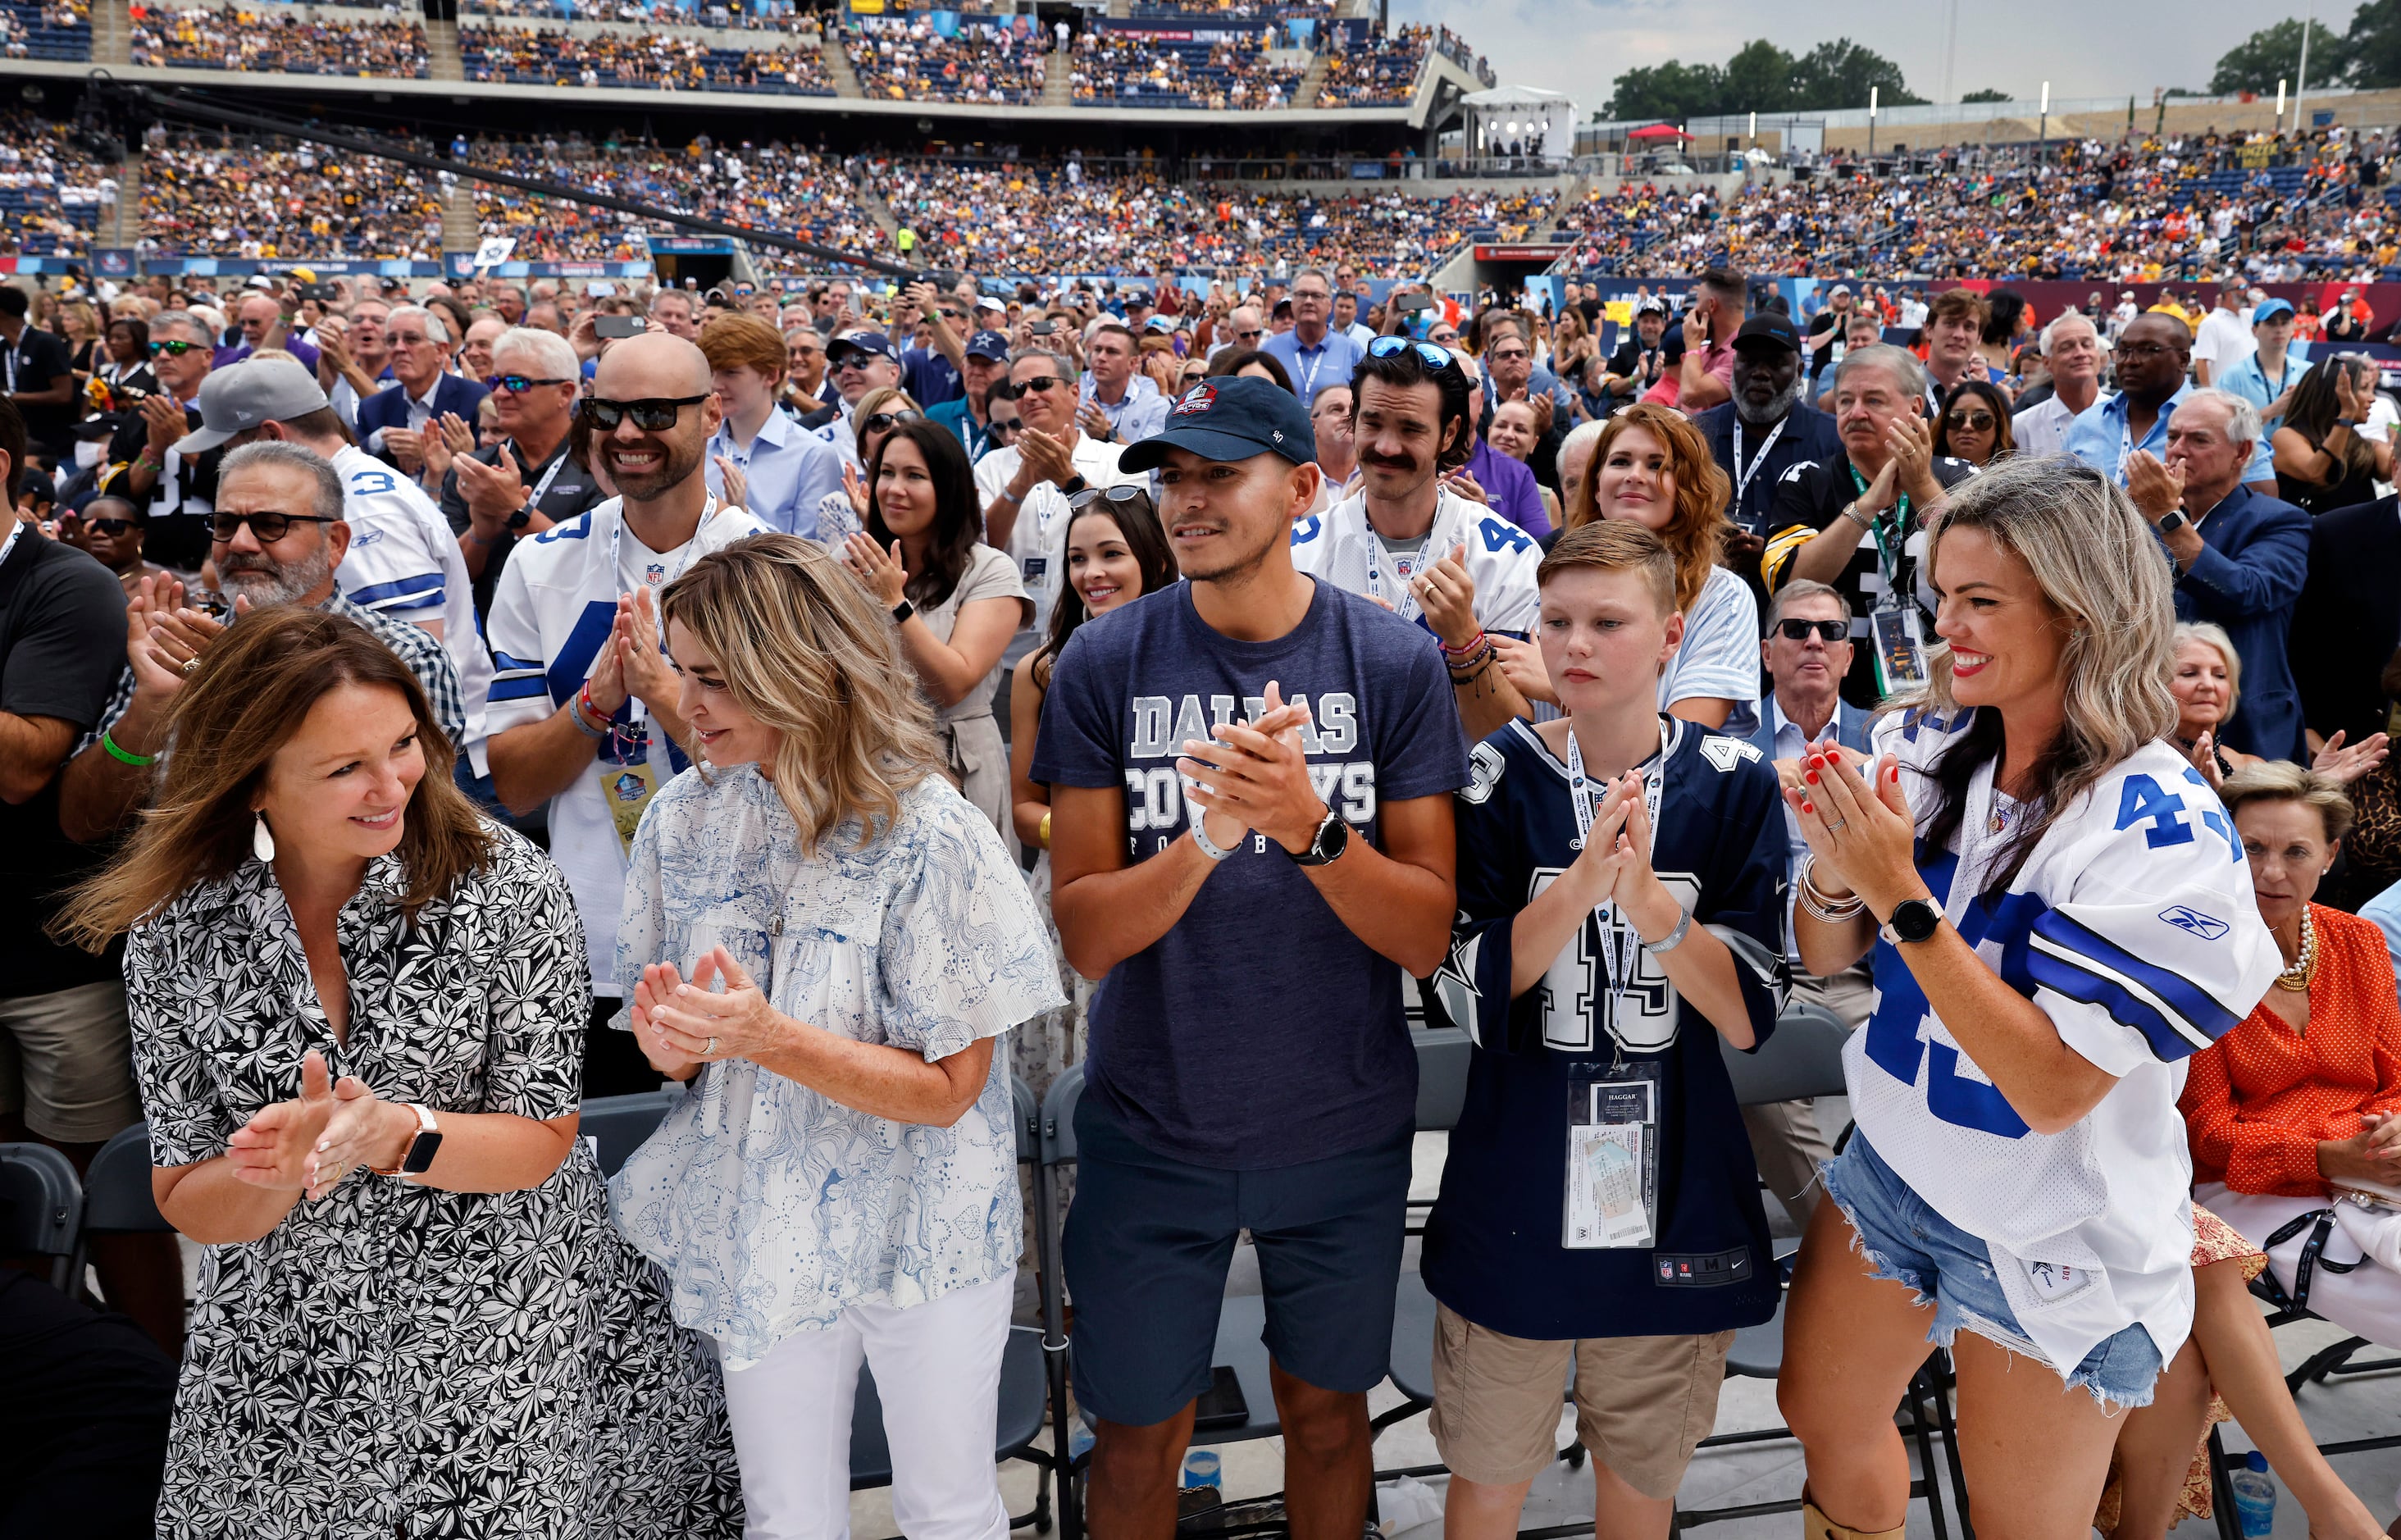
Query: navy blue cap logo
[{"x": 1197, "y": 400}]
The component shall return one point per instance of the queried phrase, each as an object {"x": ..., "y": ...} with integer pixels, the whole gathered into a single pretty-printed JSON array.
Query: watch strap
[
  {"x": 1317, "y": 854},
  {"x": 426, "y": 1127}
]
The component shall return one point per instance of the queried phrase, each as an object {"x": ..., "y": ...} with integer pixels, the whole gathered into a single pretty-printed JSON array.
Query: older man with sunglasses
[
  {"x": 174, "y": 491},
  {"x": 583, "y": 711},
  {"x": 1025, "y": 485},
  {"x": 277, "y": 536},
  {"x": 519, "y": 488}
]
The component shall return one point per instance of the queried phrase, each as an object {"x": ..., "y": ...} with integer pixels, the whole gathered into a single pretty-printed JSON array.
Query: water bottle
[
  {"x": 1202, "y": 1469},
  {"x": 2254, "y": 1496}
]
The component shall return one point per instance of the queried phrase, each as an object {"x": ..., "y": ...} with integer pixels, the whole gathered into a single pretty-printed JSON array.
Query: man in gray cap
[{"x": 403, "y": 563}]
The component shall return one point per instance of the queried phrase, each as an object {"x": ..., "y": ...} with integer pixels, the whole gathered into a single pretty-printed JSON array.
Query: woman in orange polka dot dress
[{"x": 2290, "y": 1105}]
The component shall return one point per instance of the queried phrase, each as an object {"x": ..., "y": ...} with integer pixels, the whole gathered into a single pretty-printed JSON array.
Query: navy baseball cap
[
  {"x": 862, "y": 342},
  {"x": 991, "y": 345},
  {"x": 1227, "y": 418},
  {"x": 2269, "y": 309},
  {"x": 1771, "y": 328}
]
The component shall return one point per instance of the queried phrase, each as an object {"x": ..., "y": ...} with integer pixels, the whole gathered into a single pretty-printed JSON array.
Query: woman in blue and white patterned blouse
[{"x": 841, "y": 1182}]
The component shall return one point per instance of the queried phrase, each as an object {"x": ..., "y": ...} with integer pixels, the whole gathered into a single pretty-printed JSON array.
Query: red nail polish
[
  {"x": 1811, "y": 778},
  {"x": 1808, "y": 807}
]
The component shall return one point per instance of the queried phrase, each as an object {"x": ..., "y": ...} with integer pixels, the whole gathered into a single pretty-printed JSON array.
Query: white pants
[
  {"x": 2365, "y": 1303},
  {"x": 938, "y": 1372}
]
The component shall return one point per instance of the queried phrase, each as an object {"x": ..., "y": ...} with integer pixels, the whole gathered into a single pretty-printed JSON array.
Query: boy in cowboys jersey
[
  {"x": 1620, "y": 908},
  {"x": 1409, "y": 543}
]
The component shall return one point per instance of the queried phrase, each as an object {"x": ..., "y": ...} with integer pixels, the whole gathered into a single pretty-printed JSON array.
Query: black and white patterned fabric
[{"x": 394, "y": 1360}]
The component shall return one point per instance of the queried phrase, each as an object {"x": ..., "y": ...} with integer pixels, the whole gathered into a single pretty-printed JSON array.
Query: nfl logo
[
  {"x": 1197, "y": 399},
  {"x": 655, "y": 572}
]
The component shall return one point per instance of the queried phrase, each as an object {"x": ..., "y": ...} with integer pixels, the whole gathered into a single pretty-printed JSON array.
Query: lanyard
[
  {"x": 12, "y": 370},
  {"x": 1620, "y": 945},
  {"x": 1308, "y": 384},
  {"x": 1405, "y": 603},
  {"x": 1742, "y": 473},
  {"x": 1888, "y": 545},
  {"x": 9, "y": 540},
  {"x": 542, "y": 487},
  {"x": 638, "y": 712}
]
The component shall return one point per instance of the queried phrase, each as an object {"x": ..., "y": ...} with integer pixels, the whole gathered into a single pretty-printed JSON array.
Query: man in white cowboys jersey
[
  {"x": 1460, "y": 571},
  {"x": 583, "y": 713},
  {"x": 403, "y": 563},
  {"x": 1250, "y": 780},
  {"x": 1621, "y": 879}
]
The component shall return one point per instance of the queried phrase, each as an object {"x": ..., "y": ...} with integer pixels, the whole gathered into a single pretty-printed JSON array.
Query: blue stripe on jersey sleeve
[
  {"x": 409, "y": 592},
  {"x": 2175, "y": 1017},
  {"x": 520, "y": 687},
  {"x": 506, "y": 664}
]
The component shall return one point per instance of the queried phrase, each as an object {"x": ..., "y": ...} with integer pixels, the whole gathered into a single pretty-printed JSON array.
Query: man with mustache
[
  {"x": 582, "y": 710},
  {"x": 1762, "y": 433},
  {"x": 1408, "y": 542}
]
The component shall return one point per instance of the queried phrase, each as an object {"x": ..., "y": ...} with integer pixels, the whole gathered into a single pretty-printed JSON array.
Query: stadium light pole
[
  {"x": 2301, "y": 75},
  {"x": 1872, "y": 117},
  {"x": 2042, "y": 131}
]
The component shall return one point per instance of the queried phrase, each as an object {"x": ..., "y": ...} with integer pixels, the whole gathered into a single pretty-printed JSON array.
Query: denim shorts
[{"x": 1905, "y": 1239}]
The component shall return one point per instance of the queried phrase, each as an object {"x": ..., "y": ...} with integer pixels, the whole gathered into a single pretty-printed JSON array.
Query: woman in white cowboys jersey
[{"x": 2060, "y": 915}]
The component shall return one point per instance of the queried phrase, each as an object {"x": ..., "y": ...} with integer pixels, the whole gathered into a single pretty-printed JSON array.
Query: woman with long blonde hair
[
  {"x": 358, "y": 1011},
  {"x": 2060, "y": 915},
  {"x": 840, "y": 1182}
]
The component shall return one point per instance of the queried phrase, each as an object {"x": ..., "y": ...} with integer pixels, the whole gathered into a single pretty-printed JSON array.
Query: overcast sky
[{"x": 2085, "y": 49}]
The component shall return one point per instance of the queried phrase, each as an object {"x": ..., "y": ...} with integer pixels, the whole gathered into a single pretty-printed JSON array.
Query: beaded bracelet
[{"x": 577, "y": 706}]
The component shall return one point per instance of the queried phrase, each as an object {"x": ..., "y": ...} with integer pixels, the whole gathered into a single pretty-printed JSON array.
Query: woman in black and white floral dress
[{"x": 330, "y": 953}]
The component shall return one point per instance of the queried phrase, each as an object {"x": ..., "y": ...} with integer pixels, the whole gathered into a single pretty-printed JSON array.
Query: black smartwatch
[
  {"x": 902, "y": 612},
  {"x": 422, "y": 1148},
  {"x": 1913, "y": 920},
  {"x": 1333, "y": 838},
  {"x": 523, "y": 516},
  {"x": 1074, "y": 484}
]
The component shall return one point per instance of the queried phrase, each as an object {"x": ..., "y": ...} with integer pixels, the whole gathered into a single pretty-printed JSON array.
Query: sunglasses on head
[
  {"x": 175, "y": 349},
  {"x": 1829, "y": 631},
  {"x": 1434, "y": 356},
  {"x": 885, "y": 421},
  {"x": 1127, "y": 492},
  {"x": 652, "y": 414},
  {"x": 519, "y": 384},
  {"x": 1973, "y": 422},
  {"x": 267, "y": 527}
]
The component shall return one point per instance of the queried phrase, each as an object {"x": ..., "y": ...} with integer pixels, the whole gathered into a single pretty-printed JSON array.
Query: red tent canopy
[{"x": 1659, "y": 130}]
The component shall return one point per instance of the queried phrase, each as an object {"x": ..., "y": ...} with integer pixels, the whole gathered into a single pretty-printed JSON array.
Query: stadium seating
[
  {"x": 209, "y": 38},
  {"x": 549, "y": 56}
]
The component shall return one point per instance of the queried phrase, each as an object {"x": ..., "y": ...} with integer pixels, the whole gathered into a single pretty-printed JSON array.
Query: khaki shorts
[
  {"x": 1642, "y": 1403},
  {"x": 67, "y": 1063}
]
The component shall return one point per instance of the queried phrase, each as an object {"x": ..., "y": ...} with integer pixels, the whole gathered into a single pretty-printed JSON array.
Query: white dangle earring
[{"x": 262, "y": 841}]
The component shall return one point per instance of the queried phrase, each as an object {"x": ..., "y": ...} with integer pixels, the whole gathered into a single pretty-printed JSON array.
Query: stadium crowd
[
  {"x": 358, "y": 642},
  {"x": 986, "y": 61},
  {"x": 652, "y": 60},
  {"x": 1124, "y": 69},
  {"x": 714, "y": 15},
  {"x": 212, "y": 38},
  {"x": 204, "y": 196},
  {"x": 51, "y": 192},
  {"x": 1383, "y": 74}
]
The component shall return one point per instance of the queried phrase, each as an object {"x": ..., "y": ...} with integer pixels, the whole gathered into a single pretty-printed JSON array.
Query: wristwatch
[
  {"x": 1333, "y": 838},
  {"x": 902, "y": 612},
  {"x": 421, "y": 1149},
  {"x": 2173, "y": 520},
  {"x": 523, "y": 516},
  {"x": 1913, "y": 920},
  {"x": 1074, "y": 484}
]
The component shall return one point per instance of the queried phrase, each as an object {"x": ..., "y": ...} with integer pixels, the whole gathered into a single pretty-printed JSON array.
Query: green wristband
[{"x": 137, "y": 760}]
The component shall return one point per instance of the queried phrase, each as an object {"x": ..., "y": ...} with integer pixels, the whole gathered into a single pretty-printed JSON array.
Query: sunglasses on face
[
  {"x": 519, "y": 384},
  {"x": 267, "y": 527},
  {"x": 1976, "y": 422},
  {"x": 175, "y": 349},
  {"x": 652, "y": 414},
  {"x": 885, "y": 422},
  {"x": 1012, "y": 425},
  {"x": 1039, "y": 383},
  {"x": 1254, "y": 333},
  {"x": 1434, "y": 356},
  {"x": 1829, "y": 631},
  {"x": 109, "y": 527}
]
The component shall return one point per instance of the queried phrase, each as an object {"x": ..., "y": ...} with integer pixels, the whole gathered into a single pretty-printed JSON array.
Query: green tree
[
  {"x": 1988, "y": 94},
  {"x": 1839, "y": 75},
  {"x": 1672, "y": 90},
  {"x": 2274, "y": 53},
  {"x": 2374, "y": 40},
  {"x": 1759, "y": 78}
]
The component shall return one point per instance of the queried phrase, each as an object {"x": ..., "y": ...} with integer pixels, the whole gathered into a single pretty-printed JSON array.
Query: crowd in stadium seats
[
  {"x": 208, "y": 38},
  {"x": 46, "y": 29},
  {"x": 204, "y": 196},
  {"x": 658, "y": 60},
  {"x": 1116, "y": 69},
  {"x": 784, "y": 189},
  {"x": 911, "y": 62},
  {"x": 715, "y": 14},
  {"x": 50, "y": 193},
  {"x": 1383, "y": 74},
  {"x": 2125, "y": 213}
]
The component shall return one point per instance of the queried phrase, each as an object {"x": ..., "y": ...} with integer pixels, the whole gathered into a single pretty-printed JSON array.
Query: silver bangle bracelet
[
  {"x": 1673, "y": 939},
  {"x": 1820, "y": 906}
]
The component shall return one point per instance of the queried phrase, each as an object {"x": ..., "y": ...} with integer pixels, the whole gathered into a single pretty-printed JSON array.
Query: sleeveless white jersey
[
  {"x": 2131, "y": 925},
  {"x": 1339, "y": 547}
]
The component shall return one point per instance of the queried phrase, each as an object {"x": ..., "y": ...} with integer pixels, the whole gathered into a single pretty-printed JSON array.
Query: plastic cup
[{"x": 1201, "y": 1468}]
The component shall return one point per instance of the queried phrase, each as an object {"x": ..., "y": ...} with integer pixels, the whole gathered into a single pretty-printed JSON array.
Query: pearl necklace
[{"x": 2305, "y": 965}]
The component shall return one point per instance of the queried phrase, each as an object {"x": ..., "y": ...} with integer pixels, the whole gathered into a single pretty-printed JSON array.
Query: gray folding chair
[
  {"x": 117, "y": 1194},
  {"x": 41, "y": 1211},
  {"x": 618, "y": 1125}
]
